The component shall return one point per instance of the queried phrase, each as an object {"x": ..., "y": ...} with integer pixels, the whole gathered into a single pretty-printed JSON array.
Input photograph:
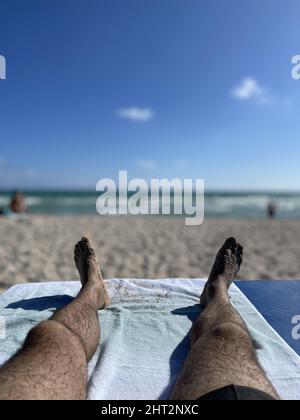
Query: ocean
[{"x": 217, "y": 204}]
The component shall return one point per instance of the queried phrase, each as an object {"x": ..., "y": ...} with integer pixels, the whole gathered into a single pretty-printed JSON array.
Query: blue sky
[{"x": 162, "y": 88}]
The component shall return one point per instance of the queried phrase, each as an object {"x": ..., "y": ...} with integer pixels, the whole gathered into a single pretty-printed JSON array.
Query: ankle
[
  {"x": 219, "y": 281},
  {"x": 90, "y": 295},
  {"x": 217, "y": 291}
]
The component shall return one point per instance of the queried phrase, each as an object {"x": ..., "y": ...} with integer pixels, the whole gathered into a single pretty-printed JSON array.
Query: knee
[
  {"x": 46, "y": 328},
  {"x": 230, "y": 331},
  {"x": 50, "y": 332},
  {"x": 198, "y": 329}
]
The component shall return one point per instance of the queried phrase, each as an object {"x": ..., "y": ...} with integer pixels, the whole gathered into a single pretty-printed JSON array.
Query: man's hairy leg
[
  {"x": 222, "y": 351},
  {"x": 52, "y": 362}
]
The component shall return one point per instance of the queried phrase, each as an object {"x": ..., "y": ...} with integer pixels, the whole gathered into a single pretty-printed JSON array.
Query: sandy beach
[{"x": 40, "y": 248}]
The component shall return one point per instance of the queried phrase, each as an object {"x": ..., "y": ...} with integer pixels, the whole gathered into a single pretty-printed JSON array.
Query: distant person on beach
[
  {"x": 221, "y": 364},
  {"x": 18, "y": 203},
  {"x": 271, "y": 210}
]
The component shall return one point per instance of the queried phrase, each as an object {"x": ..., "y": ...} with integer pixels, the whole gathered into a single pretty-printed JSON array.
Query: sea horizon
[{"x": 221, "y": 203}]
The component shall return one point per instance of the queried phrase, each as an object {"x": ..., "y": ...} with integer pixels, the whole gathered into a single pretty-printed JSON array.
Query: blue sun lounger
[{"x": 279, "y": 303}]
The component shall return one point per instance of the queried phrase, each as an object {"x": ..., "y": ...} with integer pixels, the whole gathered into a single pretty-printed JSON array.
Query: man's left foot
[
  {"x": 90, "y": 275},
  {"x": 227, "y": 264}
]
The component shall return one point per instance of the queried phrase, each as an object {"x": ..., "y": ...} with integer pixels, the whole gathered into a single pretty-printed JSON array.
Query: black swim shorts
[{"x": 236, "y": 393}]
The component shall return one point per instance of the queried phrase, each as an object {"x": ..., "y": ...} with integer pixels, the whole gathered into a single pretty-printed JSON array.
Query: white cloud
[
  {"x": 250, "y": 89},
  {"x": 180, "y": 163},
  {"x": 147, "y": 164},
  {"x": 136, "y": 114}
]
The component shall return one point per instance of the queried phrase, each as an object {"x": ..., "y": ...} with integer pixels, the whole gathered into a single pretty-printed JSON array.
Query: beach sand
[{"x": 40, "y": 248}]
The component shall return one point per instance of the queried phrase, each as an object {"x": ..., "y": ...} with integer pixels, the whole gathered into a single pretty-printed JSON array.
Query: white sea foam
[
  {"x": 4, "y": 200},
  {"x": 75, "y": 201},
  {"x": 236, "y": 205},
  {"x": 34, "y": 201}
]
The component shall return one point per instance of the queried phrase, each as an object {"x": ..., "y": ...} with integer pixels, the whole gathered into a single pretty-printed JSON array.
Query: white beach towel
[{"x": 144, "y": 334}]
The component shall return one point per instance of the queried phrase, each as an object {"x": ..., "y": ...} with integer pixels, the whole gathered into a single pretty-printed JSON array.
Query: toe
[
  {"x": 230, "y": 243},
  {"x": 86, "y": 241},
  {"x": 239, "y": 254},
  {"x": 88, "y": 245},
  {"x": 239, "y": 250},
  {"x": 79, "y": 247}
]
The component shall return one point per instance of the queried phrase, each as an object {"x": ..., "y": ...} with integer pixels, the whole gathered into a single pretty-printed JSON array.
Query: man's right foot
[{"x": 227, "y": 265}]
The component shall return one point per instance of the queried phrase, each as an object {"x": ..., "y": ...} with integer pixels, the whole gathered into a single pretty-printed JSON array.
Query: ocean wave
[
  {"x": 34, "y": 201},
  {"x": 251, "y": 204},
  {"x": 4, "y": 200},
  {"x": 236, "y": 205},
  {"x": 75, "y": 201}
]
